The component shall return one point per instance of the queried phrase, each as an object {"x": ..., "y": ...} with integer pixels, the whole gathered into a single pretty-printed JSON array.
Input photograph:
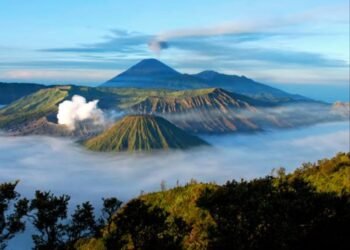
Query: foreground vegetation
[{"x": 307, "y": 209}]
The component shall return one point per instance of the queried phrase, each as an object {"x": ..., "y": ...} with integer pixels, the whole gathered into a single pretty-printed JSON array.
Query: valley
[{"x": 209, "y": 110}]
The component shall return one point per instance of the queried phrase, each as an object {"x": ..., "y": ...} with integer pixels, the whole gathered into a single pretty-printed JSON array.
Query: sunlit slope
[
  {"x": 37, "y": 113},
  {"x": 40, "y": 104},
  {"x": 257, "y": 201},
  {"x": 182, "y": 101},
  {"x": 179, "y": 202},
  {"x": 143, "y": 133},
  {"x": 327, "y": 175},
  {"x": 44, "y": 104},
  {"x": 213, "y": 106},
  {"x": 182, "y": 202},
  {"x": 207, "y": 110}
]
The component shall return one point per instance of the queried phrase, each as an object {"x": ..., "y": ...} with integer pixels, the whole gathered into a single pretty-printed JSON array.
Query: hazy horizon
[{"x": 291, "y": 43}]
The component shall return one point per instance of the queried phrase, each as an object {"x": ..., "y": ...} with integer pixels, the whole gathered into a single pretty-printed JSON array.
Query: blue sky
[{"x": 89, "y": 41}]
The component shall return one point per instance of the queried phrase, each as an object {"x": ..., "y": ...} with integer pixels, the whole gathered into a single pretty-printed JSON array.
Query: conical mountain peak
[
  {"x": 143, "y": 133},
  {"x": 149, "y": 67}
]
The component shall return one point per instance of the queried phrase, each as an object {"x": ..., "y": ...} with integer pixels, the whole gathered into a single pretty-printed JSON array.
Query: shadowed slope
[
  {"x": 10, "y": 92},
  {"x": 151, "y": 73},
  {"x": 248, "y": 87}
]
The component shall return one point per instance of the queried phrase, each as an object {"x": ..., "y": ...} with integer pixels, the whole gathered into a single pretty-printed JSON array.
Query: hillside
[
  {"x": 185, "y": 101},
  {"x": 142, "y": 133},
  {"x": 327, "y": 175},
  {"x": 42, "y": 103},
  {"x": 200, "y": 110},
  {"x": 37, "y": 112},
  {"x": 209, "y": 111},
  {"x": 249, "y": 87},
  {"x": 283, "y": 212}
]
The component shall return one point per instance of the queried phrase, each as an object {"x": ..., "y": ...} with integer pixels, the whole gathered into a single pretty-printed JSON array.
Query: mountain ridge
[
  {"x": 10, "y": 92},
  {"x": 145, "y": 76}
]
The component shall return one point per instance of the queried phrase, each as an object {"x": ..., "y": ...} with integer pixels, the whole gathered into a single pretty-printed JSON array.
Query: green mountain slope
[
  {"x": 210, "y": 110},
  {"x": 142, "y": 133},
  {"x": 32, "y": 107},
  {"x": 37, "y": 113}
]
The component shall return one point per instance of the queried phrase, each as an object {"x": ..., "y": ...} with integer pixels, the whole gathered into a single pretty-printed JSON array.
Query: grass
[{"x": 34, "y": 106}]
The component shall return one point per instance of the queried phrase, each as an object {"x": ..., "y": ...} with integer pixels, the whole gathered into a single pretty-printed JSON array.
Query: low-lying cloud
[
  {"x": 266, "y": 118},
  {"x": 65, "y": 167},
  {"x": 50, "y": 163},
  {"x": 78, "y": 110}
]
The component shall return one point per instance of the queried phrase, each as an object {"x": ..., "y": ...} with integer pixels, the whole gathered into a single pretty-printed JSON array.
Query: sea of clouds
[{"x": 64, "y": 167}]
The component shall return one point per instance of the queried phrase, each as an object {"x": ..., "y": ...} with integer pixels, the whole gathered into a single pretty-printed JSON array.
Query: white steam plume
[{"x": 78, "y": 109}]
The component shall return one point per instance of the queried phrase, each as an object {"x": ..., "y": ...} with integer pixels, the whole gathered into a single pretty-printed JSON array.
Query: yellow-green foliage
[
  {"x": 90, "y": 244},
  {"x": 33, "y": 106},
  {"x": 45, "y": 101},
  {"x": 328, "y": 175},
  {"x": 181, "y": 202}
]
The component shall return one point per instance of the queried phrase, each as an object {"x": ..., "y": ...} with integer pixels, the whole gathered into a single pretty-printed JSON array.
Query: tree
[
  {"x": 48, "y": 213},
  {"x": 12, "y": 211},
  {"x": 269, "y": 214},
  {"x": 146, "y": 228},
  {"x": 83, "y": 223},
  {"x": 110, "y": 207}
]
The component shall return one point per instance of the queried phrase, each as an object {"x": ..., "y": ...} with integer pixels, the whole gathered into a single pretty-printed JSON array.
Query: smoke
[
  {"x": 157, "y": 46},
  {"x": 162, "y": 40},
  {"x": 114, "y": 115},
  {"x": 77, "y": 110},
  {"x": 238, "y": 27}
]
